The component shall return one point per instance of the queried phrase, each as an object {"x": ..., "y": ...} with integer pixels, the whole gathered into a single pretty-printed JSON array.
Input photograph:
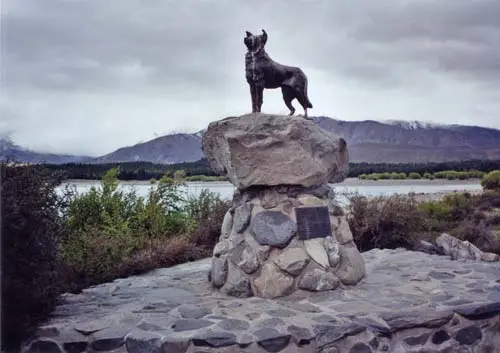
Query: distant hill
[
  {"x": 175, "y": 148},
  {"x": 403, "y": 141},
  {"x": 368, "y": 141},
  {"x": 9, "y": 150}
]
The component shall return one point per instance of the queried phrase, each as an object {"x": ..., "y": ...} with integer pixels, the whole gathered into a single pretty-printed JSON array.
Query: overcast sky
[{"x": 90, "y": 76}]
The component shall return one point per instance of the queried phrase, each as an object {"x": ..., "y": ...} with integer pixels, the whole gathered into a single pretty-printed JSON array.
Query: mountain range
[{"x": 369, "y": 141}]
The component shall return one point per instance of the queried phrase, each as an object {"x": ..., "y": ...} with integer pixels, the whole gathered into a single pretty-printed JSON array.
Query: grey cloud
[{"x": 187, "y": 56}]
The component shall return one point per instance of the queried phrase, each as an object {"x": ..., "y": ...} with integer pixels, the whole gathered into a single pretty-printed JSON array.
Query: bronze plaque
[{"x": 313, "y": 222}]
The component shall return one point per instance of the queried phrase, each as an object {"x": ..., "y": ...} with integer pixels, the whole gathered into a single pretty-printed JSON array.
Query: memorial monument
[{"x": 284, "y": 231}]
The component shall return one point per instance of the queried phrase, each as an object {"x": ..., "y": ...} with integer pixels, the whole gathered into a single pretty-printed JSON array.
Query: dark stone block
[
  {"x": 479, "y": 311},
  {"x": 469, "y": 335},
  {"x": 301, "y": 335},
  {"x": 143, "y": 342},
  {"x": 75, "y": 347},
  {"x": 326, "y": 334},
  {"x": 417, "y": 340},
  {"x": 273, "y": 228},
  {"x": 410, "y": 319},
  {"x": 109, "y": 339},
  {"x": 242, "y": 217},
  {"x": 190, "y": 324},
  {"x": 360, "y": 348},
  {"x": 271, "y": 339},
  {"x": 215, "y": 339},
  {"x": 44, "y": 346},
  {"x": 440, "y": 337}
]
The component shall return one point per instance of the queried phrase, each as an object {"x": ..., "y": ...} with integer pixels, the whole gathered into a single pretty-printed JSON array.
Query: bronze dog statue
[{"x": 262, "y": 72}]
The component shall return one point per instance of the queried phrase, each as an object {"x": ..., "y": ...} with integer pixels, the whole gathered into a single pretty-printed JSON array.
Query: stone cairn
[{"x": 278, "y": 164}]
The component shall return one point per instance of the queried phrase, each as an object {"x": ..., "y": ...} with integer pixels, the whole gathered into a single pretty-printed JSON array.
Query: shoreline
[{"x": 346, "y": 182}]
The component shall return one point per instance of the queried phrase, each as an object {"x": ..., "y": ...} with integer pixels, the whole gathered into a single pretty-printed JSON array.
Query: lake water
[{"x": 363, "y": 187}]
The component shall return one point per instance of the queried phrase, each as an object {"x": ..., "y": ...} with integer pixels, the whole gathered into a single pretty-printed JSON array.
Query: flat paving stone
[{"x": 402, "y": 289}]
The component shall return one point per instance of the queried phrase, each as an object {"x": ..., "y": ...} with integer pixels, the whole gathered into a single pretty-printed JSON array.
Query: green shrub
[
  {"x": 414, "y": 175},
  {"x": 428, "y": 176},
  {"x": 31, "y": 229},
  {"x": 106, "y": 225},
  {"x": 491, "y": 181}
]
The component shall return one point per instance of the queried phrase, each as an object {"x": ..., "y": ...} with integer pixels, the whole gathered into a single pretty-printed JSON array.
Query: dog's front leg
[
  {"x": 253, "y": 95},
  {"x": 260, "y": 96}
]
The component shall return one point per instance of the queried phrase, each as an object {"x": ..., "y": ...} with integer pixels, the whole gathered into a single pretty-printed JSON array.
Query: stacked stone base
[{"x": 260, "y": 253}]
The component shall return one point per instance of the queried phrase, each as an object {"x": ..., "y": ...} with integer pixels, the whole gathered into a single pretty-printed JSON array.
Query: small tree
[
  {"x": 491, "y": 181},
  {"x": 31, "y": 228}
]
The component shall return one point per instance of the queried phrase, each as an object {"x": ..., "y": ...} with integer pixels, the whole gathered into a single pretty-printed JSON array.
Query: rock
[
  {"x": 44, "y": 345},
  {"x": 193, "y": 312},
  {"x": 237, "y": 284},
  {"x": 426, "y": 247},
  {"x": 219, "y": 271},
  {"x": 269, "y": 198},
  {"x": 261, "y": 149},
  {"x": 273, "y": 228},
  {"x": 440, "y": 336},
  {"x": 108, "y": 339},
  {"x": 292, "y": 260},
  {"x": 222, "y": 247},
  {"x": 317, "y": 252},
  {"x": 263, "y": 252},
  {"x": 190, "y": 324},
  {"x": 271, "y": 339},
  {"x": 318, "y": 280},
  {"x": 245, "y": 257},
  {"x": 333, "y": 251},
  {"x": 233, "y": 325},
  {"x": 400, "y": 320},
  {"x": 139, "y": 341},
  {"x": 311, "y": 201},
  {"x": 272, "y": 283},
  {"x": 490, "y": 257},
  {"x": 352, "y": 266},
  {"x": 241, "y": 217},
  {"x": 320, "y": 191},
  {"x": 457, "y": 249},
  {"x": 469, "y": 335},
  {"x": 342, "y": 230},
  {"x": 215, "y": 339},
  {"x": 227, "y": 225}
]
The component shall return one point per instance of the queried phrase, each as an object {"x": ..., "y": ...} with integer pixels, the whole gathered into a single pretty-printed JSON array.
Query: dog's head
[{"x": 255, "y": 43}]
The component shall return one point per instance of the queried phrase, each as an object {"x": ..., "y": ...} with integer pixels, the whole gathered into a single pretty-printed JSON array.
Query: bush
[
  {"x": 31, "y": 229},
  {"x": 105, "y": 226},
  {"x": 491, "y": 181},
  {"x": 428, "y": 176},
  {"x": 414, "y": 175},
  {"x": 384, "y": 222},
  {"x": 114, "y": 234}
]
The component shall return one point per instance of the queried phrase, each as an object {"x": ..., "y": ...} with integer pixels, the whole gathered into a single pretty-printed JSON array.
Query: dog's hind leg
[
  {"x": 304, "y": 102},
  {"x": 288, "y": 96}
]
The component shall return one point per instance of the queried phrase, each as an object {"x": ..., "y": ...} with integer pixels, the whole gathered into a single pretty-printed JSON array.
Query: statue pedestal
[{"x": 283, "y": 232}]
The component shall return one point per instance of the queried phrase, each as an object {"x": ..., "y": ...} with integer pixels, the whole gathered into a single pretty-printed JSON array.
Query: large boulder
[{"x": 270, "y": 150}]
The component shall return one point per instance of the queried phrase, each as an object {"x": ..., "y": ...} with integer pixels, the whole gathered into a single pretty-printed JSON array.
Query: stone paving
[{"x": 428, "y": 302}]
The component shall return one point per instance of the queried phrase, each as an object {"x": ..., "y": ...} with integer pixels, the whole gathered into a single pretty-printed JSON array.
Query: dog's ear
[
  {"x": 249, "y": 34},
  {"x": 264, "y": 35}
]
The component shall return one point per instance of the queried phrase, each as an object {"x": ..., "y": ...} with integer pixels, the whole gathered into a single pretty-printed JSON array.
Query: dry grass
[{"x": 402, "y": 220}]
